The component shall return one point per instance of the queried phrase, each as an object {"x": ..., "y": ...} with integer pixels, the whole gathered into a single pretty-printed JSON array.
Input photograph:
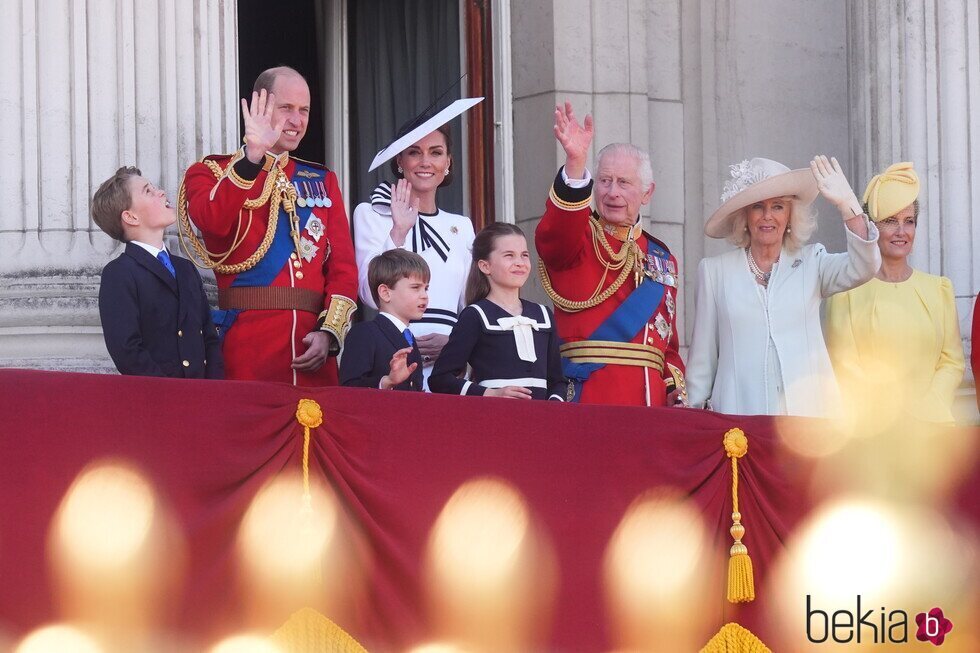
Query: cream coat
[{"x": 727, "y": 364}]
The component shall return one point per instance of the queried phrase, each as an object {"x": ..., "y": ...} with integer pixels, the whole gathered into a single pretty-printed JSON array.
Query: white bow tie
[{"x": 523, "y": 328}]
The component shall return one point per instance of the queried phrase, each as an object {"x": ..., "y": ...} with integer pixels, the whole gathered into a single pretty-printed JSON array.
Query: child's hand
[
  {"x": 398, "y": 369},
  {"x": 511, "y": 392}
]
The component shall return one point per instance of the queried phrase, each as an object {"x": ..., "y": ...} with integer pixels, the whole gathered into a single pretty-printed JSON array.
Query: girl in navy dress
[{"x": 510, "y": 344}]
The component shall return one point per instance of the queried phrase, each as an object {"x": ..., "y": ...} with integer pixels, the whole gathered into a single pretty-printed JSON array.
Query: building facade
[{"x": 702, "y": 84}]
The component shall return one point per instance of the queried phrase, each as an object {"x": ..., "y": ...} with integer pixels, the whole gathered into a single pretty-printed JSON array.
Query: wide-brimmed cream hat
[{"x": 756, "y": 180}]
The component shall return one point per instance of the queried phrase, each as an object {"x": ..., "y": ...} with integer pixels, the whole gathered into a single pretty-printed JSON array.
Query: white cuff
[{"x": 576, "y": 183}]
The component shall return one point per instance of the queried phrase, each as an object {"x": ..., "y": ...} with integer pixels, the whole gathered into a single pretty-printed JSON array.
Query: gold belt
[
  {"x": 271, "y": 298},
  {"x": 613, "y": 353}
]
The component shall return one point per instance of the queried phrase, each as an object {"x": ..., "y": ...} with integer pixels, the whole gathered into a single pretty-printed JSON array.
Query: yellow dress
[{"x": 896, "y": 347}]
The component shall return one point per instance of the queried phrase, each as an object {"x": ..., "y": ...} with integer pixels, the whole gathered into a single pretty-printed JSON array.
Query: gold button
[
  {"x": 187, "y": 363},
  {"x": 650, "y": 340},
  {"x": 297, "y": 264},
  {"x": 180, "y": 334},
  {"x": 293, "y": 256},
  {"x": 299, "y": 274}
]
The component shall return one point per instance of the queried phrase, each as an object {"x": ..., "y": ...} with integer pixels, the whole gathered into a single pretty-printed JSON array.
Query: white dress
[
  {"x": 764, "y": 354},
  {"x": 443, "y": 239}
]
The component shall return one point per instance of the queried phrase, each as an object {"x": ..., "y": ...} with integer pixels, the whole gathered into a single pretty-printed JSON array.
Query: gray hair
[
  {"x": 802, "y": 223},
  {"x": 643, "y": 166}
]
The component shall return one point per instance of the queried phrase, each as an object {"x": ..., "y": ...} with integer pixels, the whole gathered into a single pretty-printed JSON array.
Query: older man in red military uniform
[
  {"x": 276, "y": 234},
  {"x": 614, "y": 286}
]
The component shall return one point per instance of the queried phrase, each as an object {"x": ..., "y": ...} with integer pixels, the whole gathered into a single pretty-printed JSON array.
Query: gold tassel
[
  {"x": 310, "y": 415},
  {"x": 733, "y": 638},
  {"x": 741, "y": 584}
]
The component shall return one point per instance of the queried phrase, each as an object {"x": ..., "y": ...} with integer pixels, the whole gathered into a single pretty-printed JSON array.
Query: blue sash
[
  {"x": 624, "y": 323},
  {"x": 275, "y": 257}
]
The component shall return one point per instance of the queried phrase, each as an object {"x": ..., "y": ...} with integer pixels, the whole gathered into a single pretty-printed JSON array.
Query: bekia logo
[
  {"x": 877, "y": 626},
  {"x": 933, "y": 626}
]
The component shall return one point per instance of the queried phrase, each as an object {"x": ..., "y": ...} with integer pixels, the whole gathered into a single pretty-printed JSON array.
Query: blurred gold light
[
  {"x": 479, "y": 534},
  {"x": 296, "y": 554},
  {"x": 438, "y": 647},
  {"x": 490, "y": 573},
  {"x": 655, "y": 574},
  {"x": 894, "y": 556},
  {"x": 58, "y": 639},
  {"x": 853, "y": 547},
  {"x": 278, "y": 537},
  {"x": 245, "y": 644},
  {"x": 116, "y": 555},
  {"x": 105, "y": 519}
]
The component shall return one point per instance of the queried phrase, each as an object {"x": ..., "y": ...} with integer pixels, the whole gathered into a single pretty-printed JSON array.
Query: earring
[
  {"x": 447, "y": 171},
  {"x": 400, "y": 171},
  {"x": 789, "y": 228}
]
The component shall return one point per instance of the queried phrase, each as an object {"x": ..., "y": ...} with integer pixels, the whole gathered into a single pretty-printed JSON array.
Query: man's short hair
[
  {"x": 112, "y": 198},
  {"x": 390, "y": 267},
  {"x": 267, "y": 78}
]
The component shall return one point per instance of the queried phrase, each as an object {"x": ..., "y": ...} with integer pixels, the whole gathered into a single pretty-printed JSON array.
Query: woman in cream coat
[{"x": 758, "y": 347}]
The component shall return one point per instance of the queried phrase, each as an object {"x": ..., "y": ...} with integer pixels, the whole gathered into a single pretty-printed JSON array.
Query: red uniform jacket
[
  {"x": 261, "y": 344},
  {"x": 565, "y": 244}
]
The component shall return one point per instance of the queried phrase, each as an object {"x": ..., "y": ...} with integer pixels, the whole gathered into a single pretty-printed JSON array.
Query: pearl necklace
[{"x": 762, "y": 277}]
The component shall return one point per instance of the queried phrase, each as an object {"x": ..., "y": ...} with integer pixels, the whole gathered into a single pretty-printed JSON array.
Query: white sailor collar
[{"x": 491, "y": 314}]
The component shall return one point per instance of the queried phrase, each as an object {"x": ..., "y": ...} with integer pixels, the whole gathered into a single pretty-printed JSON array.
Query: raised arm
[{"x": 561, "y": 236}]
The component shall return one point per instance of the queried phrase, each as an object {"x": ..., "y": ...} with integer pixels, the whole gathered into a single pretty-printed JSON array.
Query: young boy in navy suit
[
  {"x": 155, "y": 315},
  {"x": 382, "y": 353}
]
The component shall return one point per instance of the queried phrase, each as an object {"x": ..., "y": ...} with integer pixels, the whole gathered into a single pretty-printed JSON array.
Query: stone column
[
  {"x": 915, "y": 96},
  {"x": 88, "y": 86}
]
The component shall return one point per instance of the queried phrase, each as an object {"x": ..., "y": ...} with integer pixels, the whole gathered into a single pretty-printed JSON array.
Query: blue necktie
[
  {"x": 164, "y": 258},
  {"x": 408, "y": 336}
]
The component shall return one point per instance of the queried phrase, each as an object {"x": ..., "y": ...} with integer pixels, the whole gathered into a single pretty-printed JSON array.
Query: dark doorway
[
  {"x": 403, "y": 55},
  {"x": 283, "y": 34}
]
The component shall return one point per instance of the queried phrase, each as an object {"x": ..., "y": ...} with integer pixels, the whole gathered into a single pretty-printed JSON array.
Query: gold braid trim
[
  {"x": 336, "y": 319},
  {"x": 627, "y": 260},
  {"x": 203, "y": 258}
]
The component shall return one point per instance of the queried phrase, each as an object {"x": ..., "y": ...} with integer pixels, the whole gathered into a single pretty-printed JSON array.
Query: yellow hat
[{"x": 891, "y": 191}]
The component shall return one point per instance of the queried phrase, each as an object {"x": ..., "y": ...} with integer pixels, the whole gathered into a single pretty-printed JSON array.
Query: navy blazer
[
  {"x": 368, "y": 349},
  {"x": 154, "y": 324}
]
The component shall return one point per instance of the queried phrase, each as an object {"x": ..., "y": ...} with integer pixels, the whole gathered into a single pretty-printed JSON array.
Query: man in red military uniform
[
  {"x": 614, "y": 286},
  {"x": 276, "y": 234}
]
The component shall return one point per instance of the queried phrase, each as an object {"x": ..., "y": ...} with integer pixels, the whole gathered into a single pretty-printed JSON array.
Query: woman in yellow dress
[{"x": 896, "y": 339}]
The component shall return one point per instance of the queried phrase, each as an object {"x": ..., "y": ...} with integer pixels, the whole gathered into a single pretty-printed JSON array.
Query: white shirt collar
[
  {"x": 154, "y": 251},
  {"x": 394, "y": 320}
]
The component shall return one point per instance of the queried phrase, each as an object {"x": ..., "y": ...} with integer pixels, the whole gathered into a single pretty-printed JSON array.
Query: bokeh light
[
  {"x": 894, "y": 556},
  {"x": 490, "y": 573},
  {"x": 116, "y": 555},
  {"x": 245, "y": 644},
  {"x": 58, "y": 638},
  {"x": 654, "y": 573}
]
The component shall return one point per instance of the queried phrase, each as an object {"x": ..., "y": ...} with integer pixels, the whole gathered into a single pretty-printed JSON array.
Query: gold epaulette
[{"x": 337, "y": 318}]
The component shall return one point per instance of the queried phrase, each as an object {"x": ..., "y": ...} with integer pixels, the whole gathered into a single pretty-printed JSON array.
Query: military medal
[
  {"x": 670, "y": 305},
  {"x": 314, "y": 227},
  {"x": 300, "y": 202},
  {"x": 307, "y": 249},
  {"x": 327, "y": 202},
  {"x": 662, "y": 326}
]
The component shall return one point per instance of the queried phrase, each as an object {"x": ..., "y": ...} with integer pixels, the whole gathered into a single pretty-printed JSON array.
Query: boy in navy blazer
[
  {"x": 155, "y": 315},
  {"x": 382, "y": 353}
]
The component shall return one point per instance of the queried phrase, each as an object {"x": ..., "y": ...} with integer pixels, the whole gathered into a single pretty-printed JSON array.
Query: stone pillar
[
  {"x": 915, "y": 94},
  {"x": 88, "y": 86}
]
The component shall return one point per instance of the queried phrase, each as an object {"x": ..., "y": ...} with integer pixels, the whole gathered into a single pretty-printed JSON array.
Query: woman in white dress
[
  {"x": 757, "y": 346},
  {"x": 407, "y": 215}
]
